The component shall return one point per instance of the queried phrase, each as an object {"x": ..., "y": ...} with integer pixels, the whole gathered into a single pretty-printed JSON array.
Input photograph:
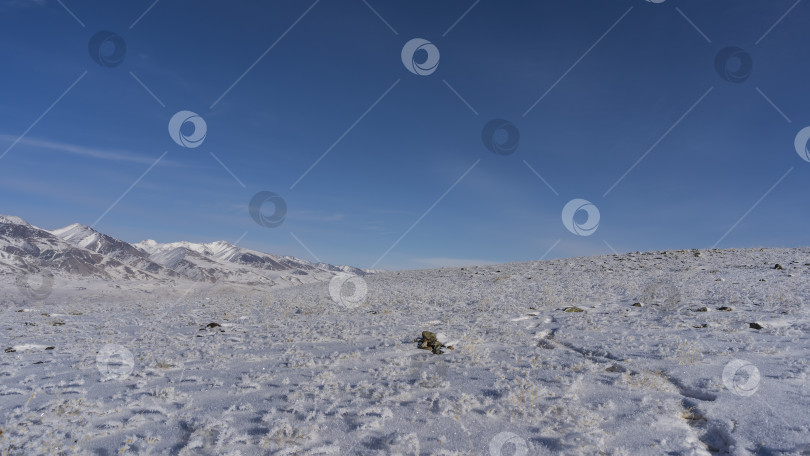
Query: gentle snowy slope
[{"x": 292, "y": 371}]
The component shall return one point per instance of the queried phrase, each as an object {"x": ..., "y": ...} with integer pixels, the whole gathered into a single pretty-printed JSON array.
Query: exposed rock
[
  {"x": 724, "y": 308},
  {"x": 573, "y": 309},
  {"x": 428, "y": 341},
  {"x": 638, "y": 304},
  {"x": 756, "y": 326},
  {"x": 210, "y": 326},
  {"x": 778, "y": 266}
]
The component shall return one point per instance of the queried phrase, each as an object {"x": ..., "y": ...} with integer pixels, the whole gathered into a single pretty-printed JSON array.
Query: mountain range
[{"x": 81, "y": 251}]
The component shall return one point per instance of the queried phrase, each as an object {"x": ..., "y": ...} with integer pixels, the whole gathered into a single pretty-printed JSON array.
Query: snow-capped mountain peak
[
  {"x": 78, "y": 234},
  {"x": 222, "y": 251},
  {"x": 13, "y": 220},
  {"x": 147, "y": 245},
  {"x": 218, "y": 249},
  {"x": 80, "y": 249},
  {"x": 76, "y": 227}
]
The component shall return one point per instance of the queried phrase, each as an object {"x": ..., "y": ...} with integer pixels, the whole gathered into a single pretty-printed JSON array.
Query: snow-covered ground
[{"x": 294, "y": 371}]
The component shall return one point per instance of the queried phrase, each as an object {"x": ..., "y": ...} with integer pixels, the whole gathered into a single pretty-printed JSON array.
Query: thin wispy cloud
[
  {"x": 315, "y": 216},
  {"x": 29, "y": 187},
  {"x": 75, "y": 149}
]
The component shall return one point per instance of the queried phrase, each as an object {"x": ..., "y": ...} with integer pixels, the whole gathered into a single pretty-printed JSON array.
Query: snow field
[{"x": 292, "y": 371}]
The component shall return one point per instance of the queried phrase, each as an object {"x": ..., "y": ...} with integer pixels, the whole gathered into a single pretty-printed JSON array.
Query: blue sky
[{"x": 591, "y": 86}]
